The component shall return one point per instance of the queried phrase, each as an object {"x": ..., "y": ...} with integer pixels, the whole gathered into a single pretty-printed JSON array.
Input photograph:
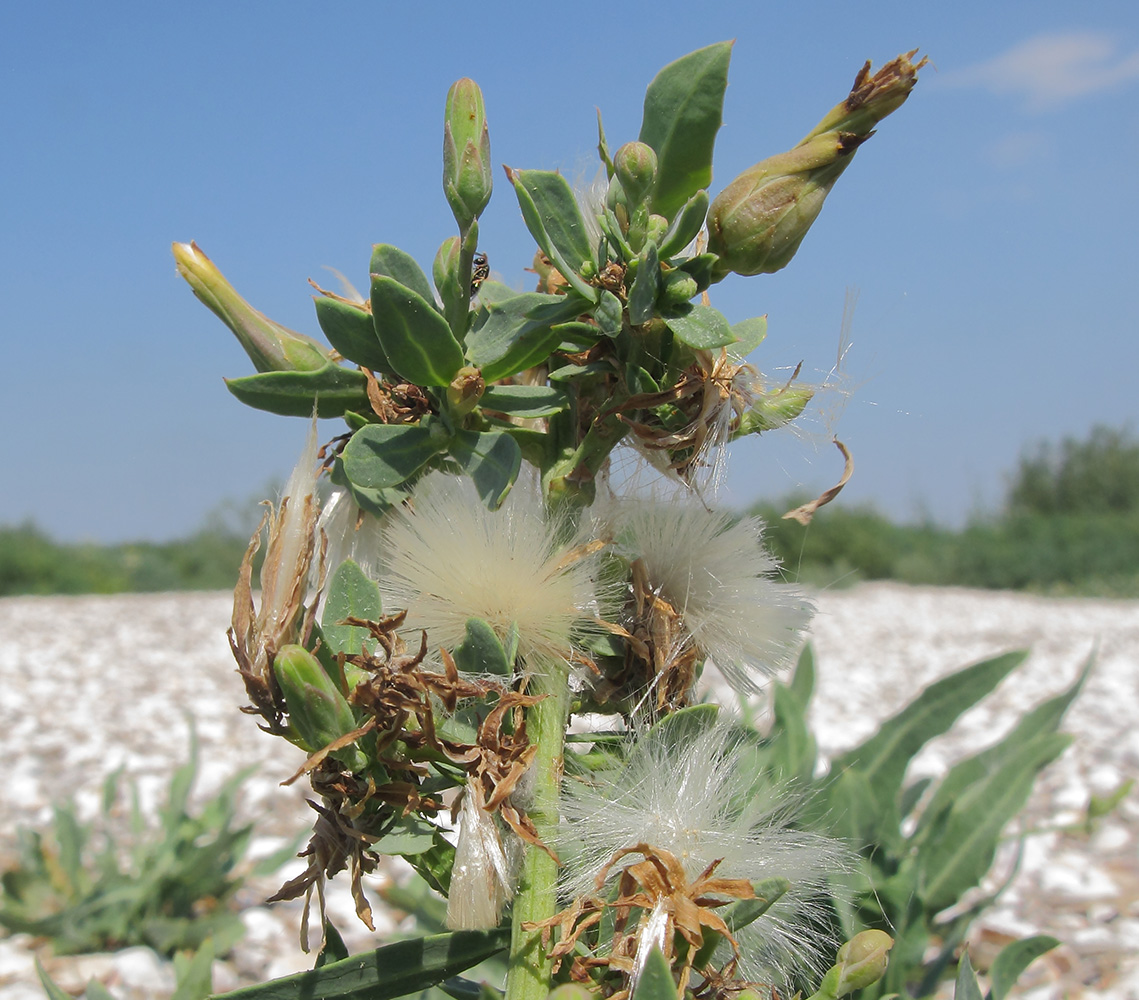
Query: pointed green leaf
[
  {"x": 686, "y": 226},
  {"x": 656, "y": 979},
  {"x": 381, "y": 456},
  {"x": 524, "y": 400},
  {"x": 53, "y": 991},
  {"x": 684, "y": 106},
  {"x": 392, "y": 971},
  {"x": 550, "y": 212},
  {"x": 95, "y": 990},
  {"x": 1013, "y": 959},
  {"x": 349, "y": 329},
  {"x": 414, "y": 336},
  {"x": 967, "y": 987},
  {"x": 961, "y": 847},
  {"x": 884, "y": 757},
  {"x": 608, "y": 314},
  {"x": 350, "y": 595},
  {"x": 334, "y": 389},
  {"x": 334, "y": 948},
  {"x": 794, "y": 746},
  {"x": 646, "y": 287},
  {"x": 700, "y": 326},
  {"x": 749, "y": 334},
  {"x": 492, "y": 459},
  {"x": 195, "y": 977},
  {"x": 1041, "y": 721},
  {"x": 395, "y": 263},
  {"x": 803, "y": 680}
]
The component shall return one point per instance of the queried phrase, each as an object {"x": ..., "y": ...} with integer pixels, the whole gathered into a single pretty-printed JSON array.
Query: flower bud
[
  {"x": 467, "y": 180},
  {"x": 465, "y": 391},
  {"x": 757, "y": 222},
  {"x": 862, "y": 961},
  {"x": 774, "y": 410},
  {"x": 679, "y": 287},
  {"x": 317, "y": 710},
  {"x": 635, "y": 164},
  {"x": 270, "y": 346},
  {"x": 656, "y": 229}
]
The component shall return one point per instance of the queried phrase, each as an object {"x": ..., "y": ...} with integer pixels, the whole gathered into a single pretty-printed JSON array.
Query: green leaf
[
  {"x": 1042, "y": 720},
  {"x": 511, "y": 334},
  {"x": 883, "y": 758},
  {"x": 53, "y": 991},
  {"x": 803, "y": 680},
  {"x": 392, "y": 971},
  {"x": 700, "y": 326},
  {"x": 414, "y": 336},
  {"x": 292, "y": 394},
  {"x": 646, "y": 287},
  {"x": 608, "y": 314},
  {"x": 550, "y": 212},
  {"x": 1013, "y": 959},
  {"x": 492, "y": 459},
  {"x": 95, "y": 990},
  {"x": 961, "y": 847},
  {"x": 967, "y": 987},
  {"x": 334, "y": 949},
  {"x": 381, "y": 456},
  {"x": 686, "y": 226},
  {"x": 481, "y": 651},
  {"x": 656, "y": 979},
  {"x": 409, "y": 835},
  {"x": 749, "y": 334},
  {"x": 350, "y": 595},
  {"x": 794, "y": 746},
  {"x": 524, "y": 400},
  {"x": 680, "y": 728},
  {"x": 195, "y": 976},
  {"x": 349, "y": 329},
  {"x": 684, "y": 106},
  {"x": 395, "y": 263}
]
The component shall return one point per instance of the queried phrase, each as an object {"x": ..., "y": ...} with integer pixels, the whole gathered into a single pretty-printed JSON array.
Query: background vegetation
[{"x": 1069, "y": 524}]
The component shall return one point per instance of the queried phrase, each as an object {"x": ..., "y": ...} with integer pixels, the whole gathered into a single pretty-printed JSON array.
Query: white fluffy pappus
[
  {"x": 482, "y": 879},
  {"x": 449, "y": 559},
  {"x": 718, "y": 576},
  {"x": 700, "y": 800}
]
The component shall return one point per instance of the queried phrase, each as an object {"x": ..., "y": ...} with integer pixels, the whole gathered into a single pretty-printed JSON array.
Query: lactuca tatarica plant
[{"x": 475, "y": 580}]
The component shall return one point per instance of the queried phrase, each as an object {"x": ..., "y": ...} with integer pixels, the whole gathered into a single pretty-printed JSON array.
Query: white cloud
[
  {"x": 1018, "y": 148},
  {"x": 1048, "y": 71}
]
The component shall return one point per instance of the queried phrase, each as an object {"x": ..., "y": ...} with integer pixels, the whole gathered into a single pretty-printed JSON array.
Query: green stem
[{"x": 528, "y": 975}]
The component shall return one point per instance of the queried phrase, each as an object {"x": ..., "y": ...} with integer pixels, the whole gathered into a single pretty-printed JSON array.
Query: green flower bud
[
  {"x": 656, "y": 229},
  {"x": 270, "y": 346},
  {"x": 774, "y": 410},
  {"x": 635, "y": 164},
  {"x": 757, "y": 222},
  {"x": 317, "y": 710},
  {"x": 862, "y": 961},
  {"x": 467, "y": 180},
  {"x": 679, "y": 287}
]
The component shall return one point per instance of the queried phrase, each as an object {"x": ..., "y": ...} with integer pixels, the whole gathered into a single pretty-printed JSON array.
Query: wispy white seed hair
[
  {"x": 350, "y": 533},
  {"x": 718, "y": 575},
  {"x": 450, "y": 559},
  {"x": 482, "y": 879},
  {"x": 701, "y": 799}
]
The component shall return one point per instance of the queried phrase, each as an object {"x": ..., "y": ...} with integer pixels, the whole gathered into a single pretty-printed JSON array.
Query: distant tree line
[{"x": 1069, "y": 524}]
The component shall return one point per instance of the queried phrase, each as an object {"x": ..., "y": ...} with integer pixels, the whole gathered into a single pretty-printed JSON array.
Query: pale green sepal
[
  {"x": 481, "y": 651},
  {"x": 702, "y": 327},
  {"x": 492, "y": 459},
  {"x": 350, "y": 594},
  {"x": 381, "y": 456}
]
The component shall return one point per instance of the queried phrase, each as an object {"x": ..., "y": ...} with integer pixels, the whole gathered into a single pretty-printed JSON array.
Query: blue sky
[{"x": 990, "y": 228}]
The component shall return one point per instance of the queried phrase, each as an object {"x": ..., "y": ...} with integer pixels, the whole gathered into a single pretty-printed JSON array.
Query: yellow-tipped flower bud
[
  {"x": 467, "y": 180},
  {"x": 757, "y": 222},
  {"x": 635, "y": 164},
  {"x": 270, "y": 346}
]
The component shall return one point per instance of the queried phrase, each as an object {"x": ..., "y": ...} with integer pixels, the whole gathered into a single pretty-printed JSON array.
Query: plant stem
[{"x": 528, "y": 975}]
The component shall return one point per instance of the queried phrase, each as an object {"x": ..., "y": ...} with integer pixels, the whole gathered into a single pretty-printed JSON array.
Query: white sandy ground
[{"x": 89, "y": 684}]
